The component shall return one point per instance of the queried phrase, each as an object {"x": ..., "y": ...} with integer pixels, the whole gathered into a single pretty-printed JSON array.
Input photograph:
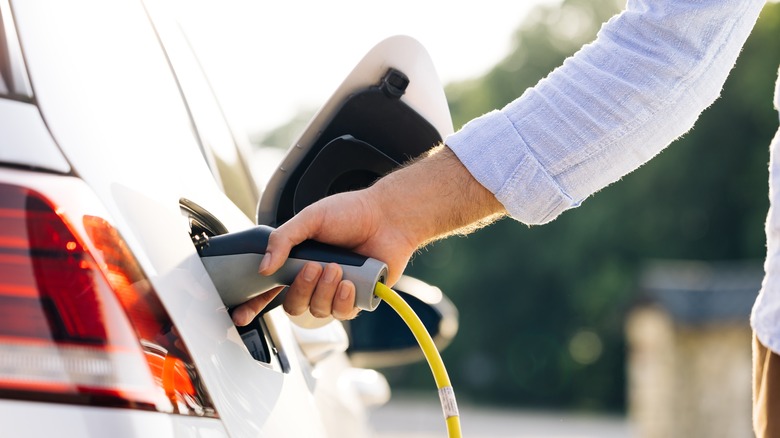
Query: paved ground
[{"x": 413, "y": 417}]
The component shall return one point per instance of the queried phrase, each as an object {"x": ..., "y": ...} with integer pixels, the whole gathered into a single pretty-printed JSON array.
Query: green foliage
[{"x": 531, "y": 299}]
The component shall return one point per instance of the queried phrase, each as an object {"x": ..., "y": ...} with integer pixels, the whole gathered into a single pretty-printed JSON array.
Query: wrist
[{"x": 434, "y": 197}]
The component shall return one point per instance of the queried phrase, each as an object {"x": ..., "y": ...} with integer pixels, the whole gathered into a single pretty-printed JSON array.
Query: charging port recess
[{"x": 203, "y": 226}]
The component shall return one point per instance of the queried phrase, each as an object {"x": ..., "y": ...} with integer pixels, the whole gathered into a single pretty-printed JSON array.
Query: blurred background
[{"x": 635, "y": 304}]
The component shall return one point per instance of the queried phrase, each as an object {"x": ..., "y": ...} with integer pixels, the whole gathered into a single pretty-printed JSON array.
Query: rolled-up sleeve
[{"x": 609, "y": 108}]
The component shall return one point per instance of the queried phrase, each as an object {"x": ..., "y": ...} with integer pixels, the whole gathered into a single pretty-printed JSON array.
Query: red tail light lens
[{"x": 79, "y": 321}]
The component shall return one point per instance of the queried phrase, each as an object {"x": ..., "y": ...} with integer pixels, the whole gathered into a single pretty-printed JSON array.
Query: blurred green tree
[{"x": 542, "y": 308}]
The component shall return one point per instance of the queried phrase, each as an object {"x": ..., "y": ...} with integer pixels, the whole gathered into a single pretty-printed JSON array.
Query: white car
[{"x": 115, "y": 161}]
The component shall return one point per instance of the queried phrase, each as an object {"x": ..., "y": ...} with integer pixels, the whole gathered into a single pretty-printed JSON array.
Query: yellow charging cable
[{"x": 446, "y": 394}]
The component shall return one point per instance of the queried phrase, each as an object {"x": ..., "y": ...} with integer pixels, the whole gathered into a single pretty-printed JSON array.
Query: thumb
[
  {"x": 276, "y": 254},
  {"x": 280, "y": 243}
]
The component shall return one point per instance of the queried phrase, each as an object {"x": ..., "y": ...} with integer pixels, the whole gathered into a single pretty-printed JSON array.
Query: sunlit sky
[{"x": 269, "y": 60}]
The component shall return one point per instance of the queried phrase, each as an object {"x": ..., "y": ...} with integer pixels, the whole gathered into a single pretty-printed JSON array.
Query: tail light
[{"x": 79, "y": 320}]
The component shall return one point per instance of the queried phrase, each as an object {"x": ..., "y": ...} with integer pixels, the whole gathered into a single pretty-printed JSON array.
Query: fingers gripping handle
[
  {"x": 232, "y": 261},
  {"x": 237, "y": 280}
]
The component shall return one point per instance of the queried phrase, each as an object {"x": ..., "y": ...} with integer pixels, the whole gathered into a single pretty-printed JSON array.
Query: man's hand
[{"x": 433, "y": 197}]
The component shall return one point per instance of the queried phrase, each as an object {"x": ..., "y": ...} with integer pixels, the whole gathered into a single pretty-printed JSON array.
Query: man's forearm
[
  {"x": 435, "y": 197},
  {"x": 608, "y": 109}
]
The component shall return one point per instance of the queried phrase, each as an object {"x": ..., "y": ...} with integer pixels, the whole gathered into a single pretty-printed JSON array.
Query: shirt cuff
[{"x": 497, "y": 156}]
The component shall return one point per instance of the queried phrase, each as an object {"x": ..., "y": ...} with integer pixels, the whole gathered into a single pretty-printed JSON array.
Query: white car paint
[{"x": 26, "y": 139}]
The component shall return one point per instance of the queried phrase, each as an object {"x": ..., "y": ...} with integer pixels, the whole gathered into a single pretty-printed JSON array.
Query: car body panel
[
  {"x": 222, "y": 147},
  {"x": 49, "y": 419},
  {"x": 26, "y": 140}
]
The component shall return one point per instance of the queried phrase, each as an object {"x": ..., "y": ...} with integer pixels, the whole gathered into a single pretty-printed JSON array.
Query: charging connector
[{"x": 232, "y": 261}]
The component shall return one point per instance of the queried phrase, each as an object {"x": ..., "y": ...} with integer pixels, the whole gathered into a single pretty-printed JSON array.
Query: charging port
[{"x": 203, "y": 226}]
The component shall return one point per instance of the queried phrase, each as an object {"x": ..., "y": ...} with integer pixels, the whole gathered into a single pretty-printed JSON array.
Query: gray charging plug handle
[{"x": 232, "y": 261}]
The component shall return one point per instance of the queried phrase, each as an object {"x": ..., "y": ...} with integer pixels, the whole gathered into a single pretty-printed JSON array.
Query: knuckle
[
  {"x": 318, "y": 313},
  {"x": 273, "y": 238},
  {"x": 300, "y": 291},
  {"x": 293, "y": 310},
  {"x": 342, "y": 314}
]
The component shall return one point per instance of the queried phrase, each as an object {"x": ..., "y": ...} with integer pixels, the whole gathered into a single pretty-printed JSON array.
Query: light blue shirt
[{"x": 610, "y": 108}]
